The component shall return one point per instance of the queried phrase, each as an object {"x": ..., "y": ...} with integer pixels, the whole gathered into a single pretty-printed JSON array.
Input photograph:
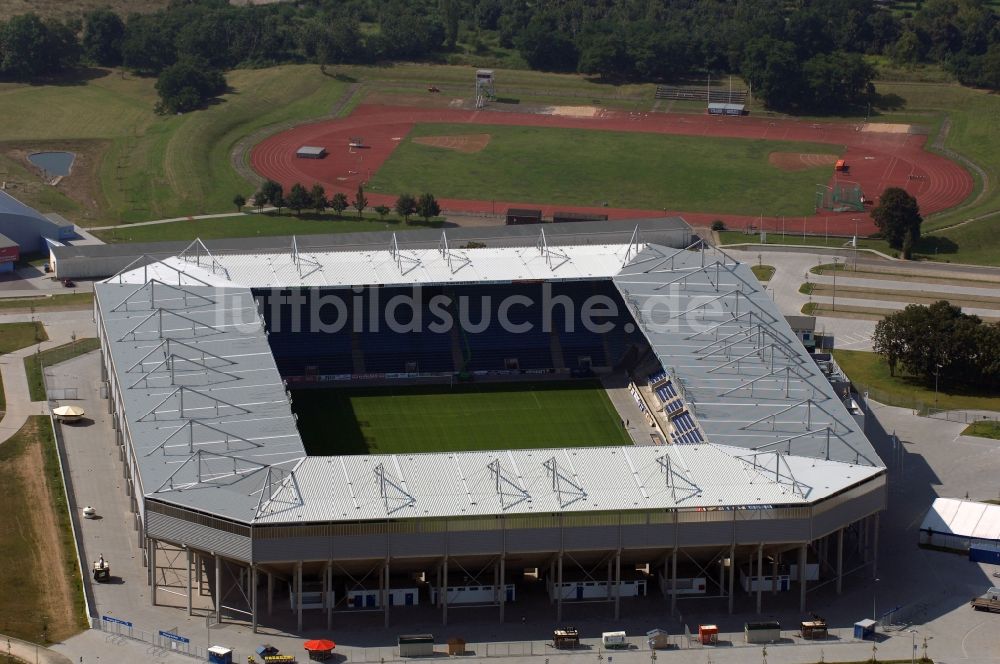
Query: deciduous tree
[
  {"x": 360, "y": 202},
  {"x": 318, "y": 195},
  {"x": 298, "y": 198},
  {"x": 405, "y": 206},
  {"x": 898, "y": 219},
  {"x": 427, "y": 206},
  {"x": 338, "y": 203}
]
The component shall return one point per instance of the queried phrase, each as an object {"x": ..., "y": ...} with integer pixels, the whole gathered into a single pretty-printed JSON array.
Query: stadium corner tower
[{"x": 755, "y": 474}]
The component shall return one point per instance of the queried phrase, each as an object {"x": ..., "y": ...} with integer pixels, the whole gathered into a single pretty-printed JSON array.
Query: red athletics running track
[{"x": 876, "y": 160}]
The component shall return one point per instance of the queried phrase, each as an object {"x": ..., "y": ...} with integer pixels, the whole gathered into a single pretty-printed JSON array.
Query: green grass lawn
[
  {"x": 267, "y": 224},
  {"x": 984, "y": 429},
  {"x": 624, "y": 169},
  {"x": 762, "y": 272},
  {"x": 870, "y": 372},
  {"x": 15, "y": 336},
  {"x": 37, "y": 609},
  {"x": 61, "y": 300},
  {"x": 34, "y": 363},
  {"x": 437, "y": 418},
  {"x": 165, "y": 166}
]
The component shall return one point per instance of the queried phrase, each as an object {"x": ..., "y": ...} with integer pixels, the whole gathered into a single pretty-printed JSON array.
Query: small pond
[{"x": 53, "y": 163}]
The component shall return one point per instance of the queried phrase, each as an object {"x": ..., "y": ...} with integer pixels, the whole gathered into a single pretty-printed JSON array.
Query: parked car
[{"x": 69, "y": 283}]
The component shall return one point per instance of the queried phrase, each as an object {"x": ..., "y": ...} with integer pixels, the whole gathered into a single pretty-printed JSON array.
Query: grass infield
[
  {"x": 624, "y": 169},
  {"x": 439, "y": 418}
]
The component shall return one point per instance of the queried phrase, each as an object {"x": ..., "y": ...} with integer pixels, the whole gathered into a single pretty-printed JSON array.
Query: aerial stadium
[{"x": 310, "y": 432}]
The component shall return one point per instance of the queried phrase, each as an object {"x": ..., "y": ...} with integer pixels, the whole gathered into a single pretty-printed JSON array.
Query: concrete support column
[
  {"x": 803, "y": 556},
  {"x": 875, "y": 545},
  {"x": 327, "y": 589},
  {"x": 611, "y": 585},
  {"x": 385, "y": 593},
  {"x": 151, "y": 569},
  {"x": 673, "y": 583},
  {"x": 618, "y": 584},
  {"x": 190, "y": 584},
  {"x": 732, "y": 574},
  {"x": 559, "y": 588},
  {"x": 760, "y": 575},
  {"x": 503, "y": 586},
  {"x": 270, "y": 593},
  {"x": 774, "y": 573},
  {"x": 253, "y": 597},
  {"x": 218, "y": 589},
  {"x": 437, "y": 584},
  {"x": 840, "y": 560},
  {"x": 298, "y": 595},
  {"x": 552, "y": 576},
  {"x": 444, "y": 591},
  {"x": 722, "y": 577}
]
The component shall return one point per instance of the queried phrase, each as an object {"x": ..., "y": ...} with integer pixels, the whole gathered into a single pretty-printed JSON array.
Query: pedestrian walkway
[
  {"x": 32, "y": 652},
  {"x": 15, "y": 381},
  {"x": 197, "y": 217}
]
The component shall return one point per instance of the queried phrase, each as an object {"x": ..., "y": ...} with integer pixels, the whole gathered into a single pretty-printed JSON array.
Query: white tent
[{"x": 952, "y": 523}]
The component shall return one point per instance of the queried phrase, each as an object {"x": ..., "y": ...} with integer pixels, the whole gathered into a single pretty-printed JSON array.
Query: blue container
[
  {"x": 220, "y": 655},
  {"x": 864, "y": 629},
  {"x": 990, "y": 556}
]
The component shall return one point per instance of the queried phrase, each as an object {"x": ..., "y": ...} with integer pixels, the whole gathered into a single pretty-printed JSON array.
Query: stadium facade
[{"x": 759, "y": 465}]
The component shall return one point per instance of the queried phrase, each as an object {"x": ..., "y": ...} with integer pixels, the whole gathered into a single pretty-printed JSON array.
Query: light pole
[
  {"x": 835, "y": 264},
  {"x": 937, "y": 373},
  {"x": 856, "y": 244},
  {"x": 874, "y": 589},
  {"x": 913, "y": 646}
]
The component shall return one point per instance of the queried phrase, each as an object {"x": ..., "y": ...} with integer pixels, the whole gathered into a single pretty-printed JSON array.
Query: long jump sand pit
[
  {"x": 571, "y": 111},
  {"x": 468, "y": 143},
  {"x": 887, "y": 128},
  {"x": 800, "y": 161}
]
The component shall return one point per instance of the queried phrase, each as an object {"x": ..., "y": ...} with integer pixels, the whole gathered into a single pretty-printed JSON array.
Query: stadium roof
[
  {"x": 662, "y": 230},
  {"x": 210, "y": 419},
  {"x": 196, "y": 266}
]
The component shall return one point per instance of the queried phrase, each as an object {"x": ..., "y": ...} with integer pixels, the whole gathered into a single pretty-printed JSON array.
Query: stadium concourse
[{"x": 759, "y": 476}]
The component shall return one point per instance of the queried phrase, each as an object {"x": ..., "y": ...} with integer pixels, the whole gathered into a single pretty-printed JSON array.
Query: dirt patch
[
  {"x": 468, "y": 143},
  {"x": 887, "y": 128},
  {"x": 82, "y": 187},
  {"x": 800, "y": 161},
  {"x": 572, "y": 111},
  {"x": 31, "y": 532}
]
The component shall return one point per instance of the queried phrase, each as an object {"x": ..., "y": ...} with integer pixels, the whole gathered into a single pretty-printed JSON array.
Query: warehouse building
[{"x": 28, "y": 227}]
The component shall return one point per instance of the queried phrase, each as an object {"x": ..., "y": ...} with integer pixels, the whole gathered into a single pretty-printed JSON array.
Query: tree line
[
  {"x": 300, "y": 198},
  {"x": 797, "y": 54},
  {"x": 941, "y": 344}
]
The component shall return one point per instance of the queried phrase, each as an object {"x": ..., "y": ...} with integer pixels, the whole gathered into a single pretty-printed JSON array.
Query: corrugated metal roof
[
  {"x": 965, "y": 518},
  {"x": 399, "y": 267},
  {"x": 212, "y": 427},
  {"x": 745, "y": 377}
]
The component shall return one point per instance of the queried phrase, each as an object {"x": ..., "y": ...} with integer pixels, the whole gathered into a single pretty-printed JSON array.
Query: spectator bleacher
[{"x": 366, "y": 339}]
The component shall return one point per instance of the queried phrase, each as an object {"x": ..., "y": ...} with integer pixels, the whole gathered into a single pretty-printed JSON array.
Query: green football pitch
[
  {"x": 623, "y": 169},
  {"x": 440, "y": 418}
]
